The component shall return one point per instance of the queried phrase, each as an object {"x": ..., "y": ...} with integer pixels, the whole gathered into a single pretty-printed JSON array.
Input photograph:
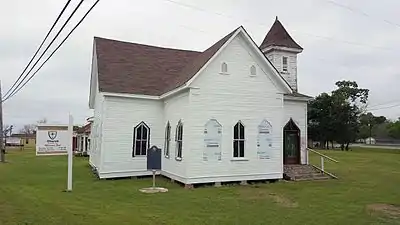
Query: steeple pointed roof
[{"x": 278, "y": 36}]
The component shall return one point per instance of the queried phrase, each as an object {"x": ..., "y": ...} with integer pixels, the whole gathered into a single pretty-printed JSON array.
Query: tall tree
[
  {"x": 320, "y": 119},
  {"x": 375, "y": 126},
  {"x": 28, "y": 129},
  {"x": 336, "y": 117},
  {"x": 349, "y": 103},
  {"x": 394, "y": 129}
]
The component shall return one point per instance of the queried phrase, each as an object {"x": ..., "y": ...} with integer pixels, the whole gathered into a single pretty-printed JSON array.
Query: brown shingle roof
[
  {"x": 142, "y": 69},
  {"x": 278, "y": 36}
]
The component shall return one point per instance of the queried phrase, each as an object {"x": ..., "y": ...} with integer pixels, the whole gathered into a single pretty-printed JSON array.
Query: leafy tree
[
  {"x": 336, "y": 117},
  {"x": 394, "y": 129},
  {"x": 375, "y": 126},
  {"x": 320, "y": 119}
]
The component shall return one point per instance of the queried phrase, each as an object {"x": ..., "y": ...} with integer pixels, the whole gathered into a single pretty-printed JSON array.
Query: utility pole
[{"x": 2, "y": 145}]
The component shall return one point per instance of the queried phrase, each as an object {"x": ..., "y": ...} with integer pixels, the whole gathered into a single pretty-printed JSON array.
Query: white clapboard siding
[
  {"x": 120, "y": 118},
  {"x": 96, "y": 134},
  {"x": 297, "y": 110},
  {"x": 98, "y": 99},
  {"x": 291, "y": 75},
  {"x": 229, "y": 98},
  {"x": 175, "y": 109}
]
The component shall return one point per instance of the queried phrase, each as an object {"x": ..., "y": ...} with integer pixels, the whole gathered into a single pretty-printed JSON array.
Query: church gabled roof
[
  {"x": 133, "y": 68},
  {"x": 278, "y": 36}
]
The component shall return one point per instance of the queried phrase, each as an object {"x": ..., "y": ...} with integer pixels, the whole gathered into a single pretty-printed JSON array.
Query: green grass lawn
[{"x": 31, "y": 192}]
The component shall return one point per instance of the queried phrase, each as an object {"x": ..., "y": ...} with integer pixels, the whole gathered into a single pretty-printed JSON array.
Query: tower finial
[{"x": 276, "y": 18}]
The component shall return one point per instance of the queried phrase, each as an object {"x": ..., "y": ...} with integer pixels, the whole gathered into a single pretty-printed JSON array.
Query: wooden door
[
  {"x": 291, "y": 148},
  {"x": 291, "y": 143}
]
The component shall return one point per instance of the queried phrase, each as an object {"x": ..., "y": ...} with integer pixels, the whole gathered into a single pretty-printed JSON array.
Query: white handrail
[
  {"x": 325, "y": 156},
  {"x": 322, "y": 169}
]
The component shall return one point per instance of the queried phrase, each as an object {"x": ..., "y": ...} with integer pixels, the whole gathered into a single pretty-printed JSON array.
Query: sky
[{"x": 342, "y": 39}]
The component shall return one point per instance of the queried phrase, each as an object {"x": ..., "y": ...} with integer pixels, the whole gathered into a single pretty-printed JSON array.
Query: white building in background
[
  {"x": 230, "y": 113},
  {"x": 370, "y": 141}
]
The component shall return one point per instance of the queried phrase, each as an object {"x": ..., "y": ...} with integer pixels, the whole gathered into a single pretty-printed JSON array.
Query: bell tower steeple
[{"x": 282, "y": 50}]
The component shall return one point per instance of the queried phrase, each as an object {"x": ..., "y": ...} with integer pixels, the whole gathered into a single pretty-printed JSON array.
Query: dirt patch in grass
[
  {"x": 388, "y": 210},
  {"x": 283, "y": 201},
  {"x": 263, "y": 194}
]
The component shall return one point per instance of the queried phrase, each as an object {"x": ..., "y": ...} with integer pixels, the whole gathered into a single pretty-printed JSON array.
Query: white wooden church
[{"x": 230, "y": 113}]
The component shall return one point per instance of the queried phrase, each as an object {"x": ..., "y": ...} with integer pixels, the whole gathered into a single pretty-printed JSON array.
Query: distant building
[
  {"x": 83, "y": 139},
  {"x": 370, "y": 141},
  {"x": 26, "y": 140}
]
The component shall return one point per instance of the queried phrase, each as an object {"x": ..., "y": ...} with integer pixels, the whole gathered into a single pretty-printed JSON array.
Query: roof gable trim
[{"x": 241, "y": 30}]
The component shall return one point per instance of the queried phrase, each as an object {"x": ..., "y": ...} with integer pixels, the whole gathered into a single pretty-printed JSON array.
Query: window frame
[
  {"x": 167, "y": 141},
  {"x": 238, "y": 139},
  {"x": 253, "y": 71},
  {"x": 285, "y": 66},
  {"x": 224, "y": 68},
  {"x": 179, "y": 141},
  {"x": 135, "y": 139}
]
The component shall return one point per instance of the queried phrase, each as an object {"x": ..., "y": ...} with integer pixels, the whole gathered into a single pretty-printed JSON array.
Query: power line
[
  {"x": 359, "y": 11},
  {"x": 264, "y": 24},
  {"x": 385, "y": 103},
  {"x": 55, "y": 50},
  {"x": 44, "y": 52},
  {"x": 388, "y": 107},
  {"x": 40, "y": 46}
]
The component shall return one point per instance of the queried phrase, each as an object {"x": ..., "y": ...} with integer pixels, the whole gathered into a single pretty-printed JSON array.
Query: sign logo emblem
[{"x": 52, "y": 134}]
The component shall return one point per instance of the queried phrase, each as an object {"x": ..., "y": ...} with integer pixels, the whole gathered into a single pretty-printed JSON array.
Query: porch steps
[{"x": 303, "y": 172}]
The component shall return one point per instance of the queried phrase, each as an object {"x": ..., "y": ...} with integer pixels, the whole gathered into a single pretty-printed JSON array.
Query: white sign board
[
  {"x": 53, "y": 140},
  {"x": 264, "y": 140},
  {"x": 212, "y": 141}
]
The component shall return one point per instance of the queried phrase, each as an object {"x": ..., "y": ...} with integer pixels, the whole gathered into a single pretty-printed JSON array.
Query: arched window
[
  {"x": 253, "y": 70},
  {"x": 167, "y": 139},
  {"x": 238, "y": 140},
  {"x": 224, "y": 68},
  {"x": 141, "y": 137},
  {"x": 178, "y": 140}
]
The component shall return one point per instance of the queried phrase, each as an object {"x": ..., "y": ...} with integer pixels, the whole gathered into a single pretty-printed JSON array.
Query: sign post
[
  {"x": 56, "y": 139},
  {"x": 153, "y": 164},
  {"x": 154, "y": 178},
  {"x": 70, "y": 154}
]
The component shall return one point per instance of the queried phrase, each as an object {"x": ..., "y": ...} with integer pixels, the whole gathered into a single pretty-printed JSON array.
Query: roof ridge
[{"x": 147, "y": 45}]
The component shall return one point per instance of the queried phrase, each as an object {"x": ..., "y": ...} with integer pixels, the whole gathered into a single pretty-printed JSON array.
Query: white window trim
[
  {"x": 222, "y": 68},
  {"x": 167, "y": 141},
  {"x": 239, "y": 139},
  {"x": 253, "y": 67},
  {"x": 285, "y": 66},
  {"x": 180, "y": 124},
  {"x": 135, "y": 139}
]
